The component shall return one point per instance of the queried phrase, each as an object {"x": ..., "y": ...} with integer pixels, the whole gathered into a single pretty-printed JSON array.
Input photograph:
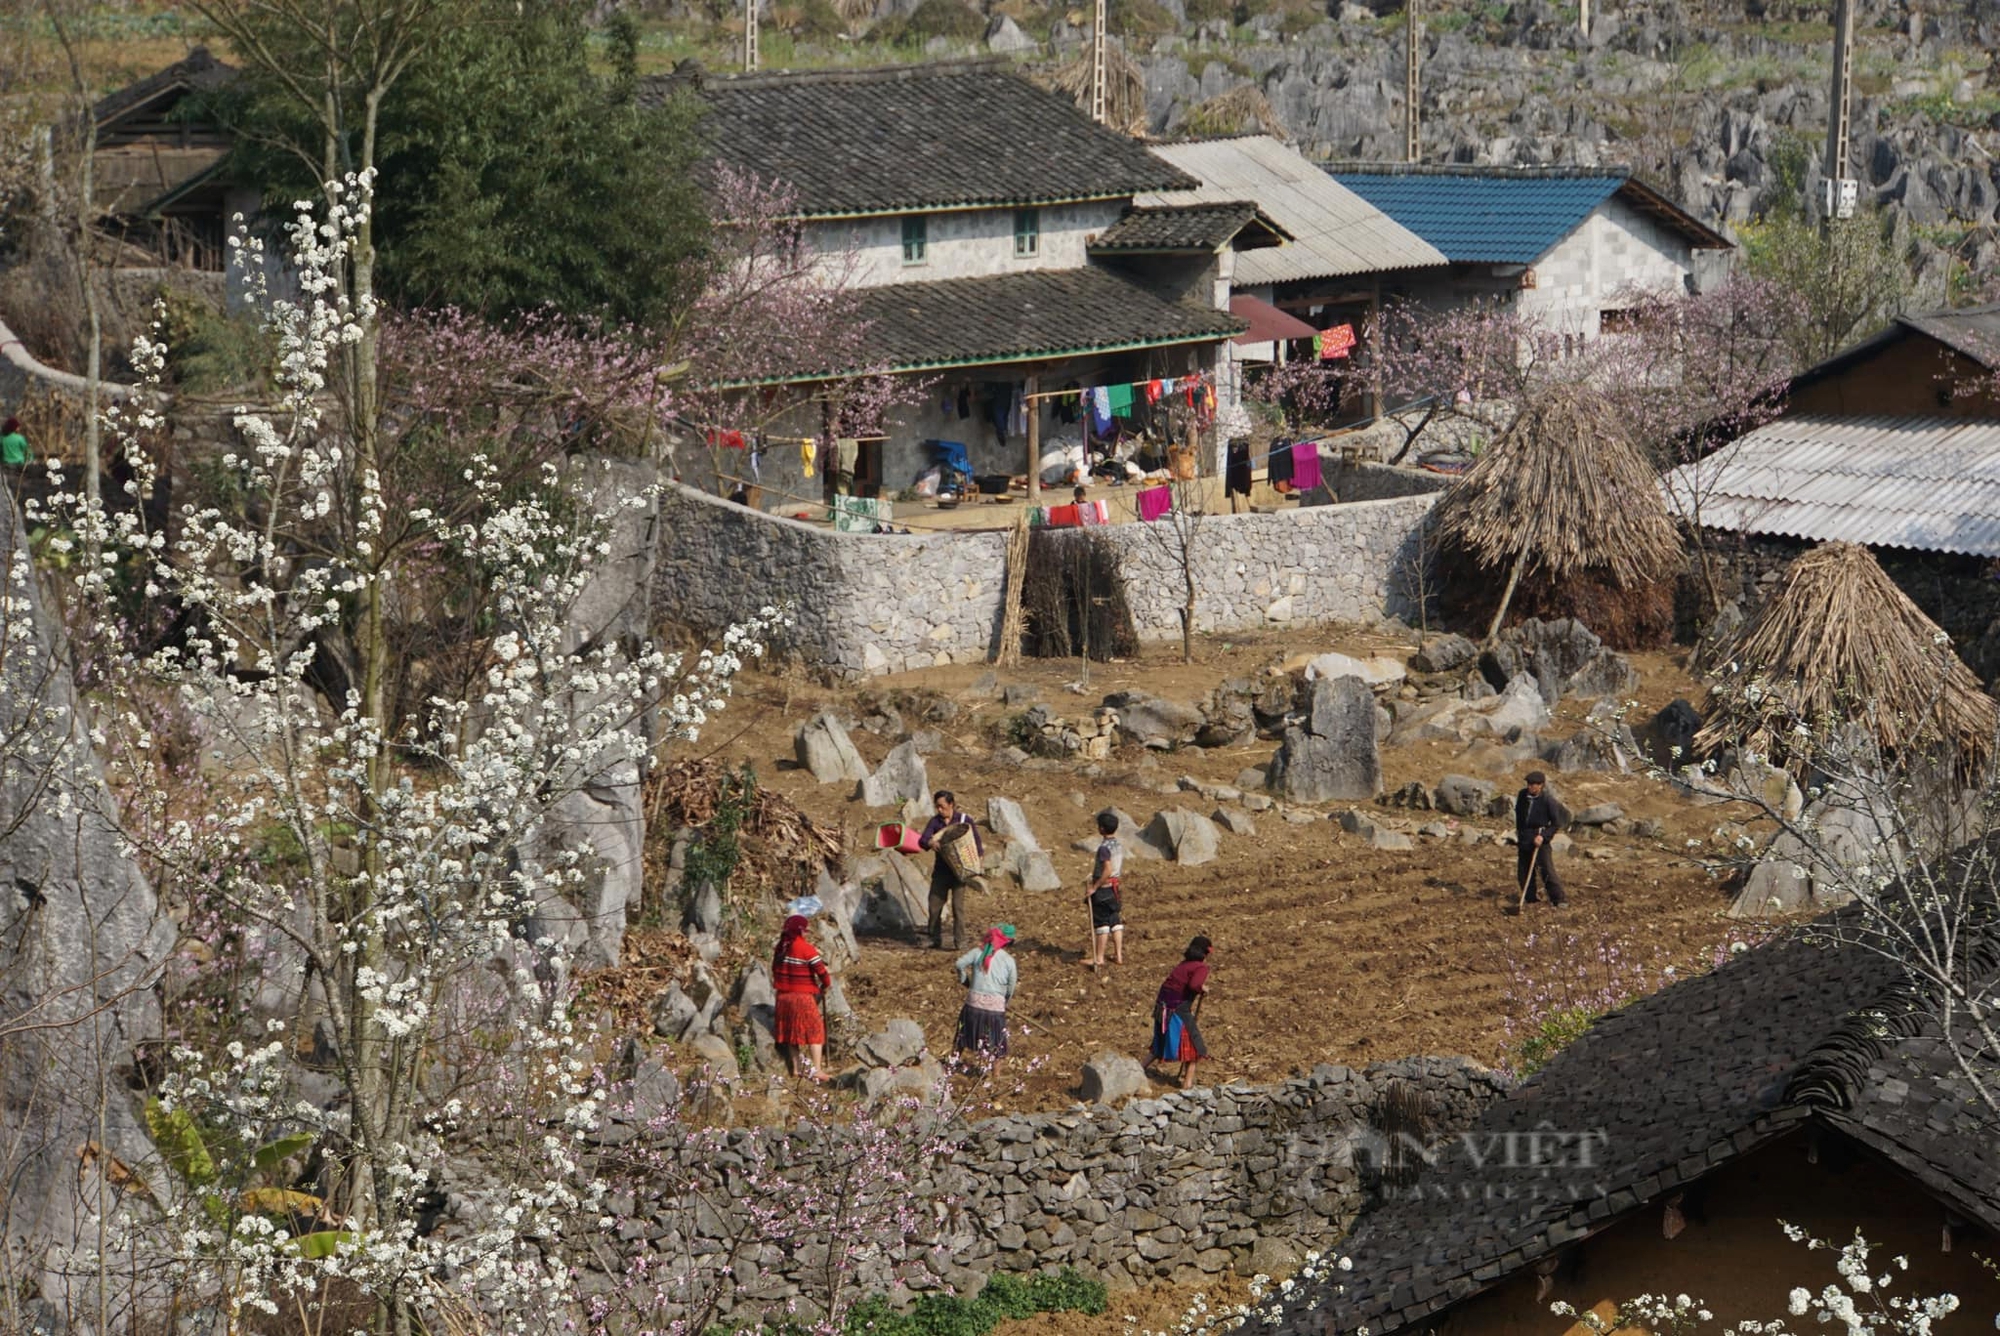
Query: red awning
[{"x": 1267, "y": 322}]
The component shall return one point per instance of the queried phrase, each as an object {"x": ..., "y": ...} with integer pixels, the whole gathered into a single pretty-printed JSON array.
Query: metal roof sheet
[
  {"x": 1485, "y": 219},
  {"x": 1927, "y": 483},
  {"x": 1335, "y": 232}
]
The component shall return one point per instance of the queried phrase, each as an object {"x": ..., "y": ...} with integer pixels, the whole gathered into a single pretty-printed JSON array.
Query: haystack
[
  {"x": 1563, "y": 492},
  {"x": 1840, "y": 643},
  {"x": 1124, "y": 92},
  {"x": 1242, "y": 110}
]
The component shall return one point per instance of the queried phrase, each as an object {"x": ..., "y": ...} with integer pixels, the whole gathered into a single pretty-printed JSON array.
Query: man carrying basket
[{"x": 949, "y": 833}]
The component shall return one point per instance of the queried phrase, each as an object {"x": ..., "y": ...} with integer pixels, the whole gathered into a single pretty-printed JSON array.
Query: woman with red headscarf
[{"x": 800, "y": 978}]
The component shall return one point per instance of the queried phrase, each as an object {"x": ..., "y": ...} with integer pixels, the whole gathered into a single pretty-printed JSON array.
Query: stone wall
[
  {"x": 865, "y": 604},
  {"x": 861, "y": 604},
  {"x": 1343, "y": 563},
  {"x": 1176, "y": 1189}
]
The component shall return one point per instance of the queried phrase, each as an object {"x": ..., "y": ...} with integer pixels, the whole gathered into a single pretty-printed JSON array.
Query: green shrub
[
  {"x": 1555, "y": 1032},
  {"x": 1141, "y": 18},
  {"x": 208, "y": 351},
  {"x": 1004, "y": 1297}
]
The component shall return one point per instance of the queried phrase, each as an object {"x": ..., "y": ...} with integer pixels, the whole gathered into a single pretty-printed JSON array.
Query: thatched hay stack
[
  {"x": 1563, "y": 491},
  {"x": 1124, "y": 94},
  {"x": 1839, "y": 642},
  {"x": 1566, "y": 486},
  {"x": 1242, "y": 110}
]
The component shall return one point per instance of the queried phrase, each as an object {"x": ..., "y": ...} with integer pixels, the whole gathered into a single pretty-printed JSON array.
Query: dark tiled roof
[
  {"x": 1186, "y": 227},
  {"x": 1679, "y": 1082},
  {"x": 937, "y": 136},
  {"x": 1973, "y": 331},
  {"x": 1020, "y": 317},
  {"x": 1507, "y": 215},
  {"x": 199, "y": 70}
]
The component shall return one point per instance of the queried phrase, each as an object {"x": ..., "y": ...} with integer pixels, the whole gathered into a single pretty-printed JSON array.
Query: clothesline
[{"x": 1168, "y": 382}]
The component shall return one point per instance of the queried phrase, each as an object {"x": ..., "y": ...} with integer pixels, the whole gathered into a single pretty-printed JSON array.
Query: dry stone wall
[
  {"x": 1179, "y": 1188},
  {"x": 866, "y": 604},
  {"x": 1345, "y": 563}
]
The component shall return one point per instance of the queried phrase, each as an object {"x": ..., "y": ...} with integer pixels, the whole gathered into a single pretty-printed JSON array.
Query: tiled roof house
[
  {"x": 1798, "y": 1081},
  {"x": 158, "y": 168},
  {"x": 990, "y": 227},
  {"x": 1562, "y": 243}
]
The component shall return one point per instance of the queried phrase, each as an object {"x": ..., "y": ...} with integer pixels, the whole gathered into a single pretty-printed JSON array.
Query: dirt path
[{"x": 1326, "y": 950}]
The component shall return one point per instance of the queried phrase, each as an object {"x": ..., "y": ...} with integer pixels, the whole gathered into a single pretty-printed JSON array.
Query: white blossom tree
[{"x": 388, "y": 863}]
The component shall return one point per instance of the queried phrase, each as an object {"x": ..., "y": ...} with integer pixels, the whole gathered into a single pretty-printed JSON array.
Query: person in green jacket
[{"x": 13, "y": 445}]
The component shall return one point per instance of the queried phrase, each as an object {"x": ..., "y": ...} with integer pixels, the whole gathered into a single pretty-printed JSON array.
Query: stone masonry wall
[
  {"x": 866, "y": 604},
  {"x": 1177, "y": 1189},
  {"x": 862, "y": 604},
  {"x": 1343, "y": 563}
]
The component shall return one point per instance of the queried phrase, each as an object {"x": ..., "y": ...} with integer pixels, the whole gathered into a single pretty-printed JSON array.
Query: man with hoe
[{"x": 1537, "y": 818}]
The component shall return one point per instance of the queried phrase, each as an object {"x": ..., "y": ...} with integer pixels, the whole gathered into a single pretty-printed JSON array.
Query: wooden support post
[{"x": 1034, "y": 408}]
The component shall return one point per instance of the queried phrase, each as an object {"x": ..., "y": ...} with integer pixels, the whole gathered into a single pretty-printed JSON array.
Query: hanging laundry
[
  {"x": 1335, "y": 343},
  {"x": 1017, "y": 413},
  {"x": 1278, "y": 467},
  {"x": 846, "y": 454},
  {"x": 757, "y": 449},
  {"x": 1236, "y": 469},
  {"x": 1154, "y": 389},
  {"x": 1038, "y": 517},
  {"x": 1305, "y": 465},
  {"x": 1100, "y": 410},
  {"x": 1064, "y": 517},
  {"x": 964, "y": 402},
  {"x": 805, "y": 459},
  {"x": 1094, "y": 512},
  {"x": 1155, "y": 502},
  {"x": 726, "y": 440},
  {"x": 1120, "y": 397},
  {"x": 1068, "y": 407}
]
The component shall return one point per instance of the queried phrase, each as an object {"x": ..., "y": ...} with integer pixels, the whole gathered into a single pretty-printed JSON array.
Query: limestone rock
[
  {"x": 1668, "y": 737},
  {"x": 1033, "y": 868},
  {"x": 1462, "y": 795},
  {"x": 1774, "y": 887},
  {"x": 1444, "y": 654},
  {"x": 1153, "y": 721},
  {"x": 1005, "y": 38},
  {"x": 1598, "y": 814},
  {"x": 1006, "y": 819},
  {"x": 901, "y": 777},
  {"x": 705, "y": 909},
  {"x": 828, "y": 753},
  {"x": 1234, "y": 820},
  {"x": 1189, "y": 837},
  {"x": 899, "y": 901},
  {"x": 753, "y": 987},
  {"x": 1378, "y": 670},
  {"x": 713, "y": 1053},
  {"x": 1110, "y": 1077},
  {"x": 673, "y": 1012},
  {"x": 1333, "y": 751},
  {"x": 899, "y": 1043},
  {"x": 1605, "y": 744}
]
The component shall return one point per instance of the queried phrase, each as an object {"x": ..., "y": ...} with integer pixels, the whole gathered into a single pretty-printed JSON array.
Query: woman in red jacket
[{"x": 800, "y": 978}]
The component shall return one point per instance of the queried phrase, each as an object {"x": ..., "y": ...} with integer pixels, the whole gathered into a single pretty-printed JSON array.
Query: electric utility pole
[
  {"x": 1098, "y": 111},
  {"x": 1412, "y": 43},
  {"x": 1841, "y": 190}
]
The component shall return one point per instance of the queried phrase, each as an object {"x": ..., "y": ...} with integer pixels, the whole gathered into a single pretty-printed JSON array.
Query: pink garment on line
[
  {"x": 1305, "y": 465},
  {"x": 1155, "y": 502}
]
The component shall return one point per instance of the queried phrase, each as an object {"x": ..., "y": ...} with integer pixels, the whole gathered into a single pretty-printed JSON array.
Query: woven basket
[{"x": 959, "y": 851}]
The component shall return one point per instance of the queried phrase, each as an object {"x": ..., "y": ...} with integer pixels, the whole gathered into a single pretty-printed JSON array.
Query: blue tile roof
[{"x": 1485, "y": 219}]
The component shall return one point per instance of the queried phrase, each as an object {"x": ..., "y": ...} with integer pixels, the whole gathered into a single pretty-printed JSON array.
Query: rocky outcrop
[
  {"x": 1331, "y": 752},
  {"x": 81, "y": 939}
]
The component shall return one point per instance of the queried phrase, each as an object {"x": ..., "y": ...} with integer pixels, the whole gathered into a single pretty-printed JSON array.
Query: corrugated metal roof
[
  {"x": 1335, "y": 232},
  {"x": 1928, "y": 483},
  {"x": 1485, "y": 219}
]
